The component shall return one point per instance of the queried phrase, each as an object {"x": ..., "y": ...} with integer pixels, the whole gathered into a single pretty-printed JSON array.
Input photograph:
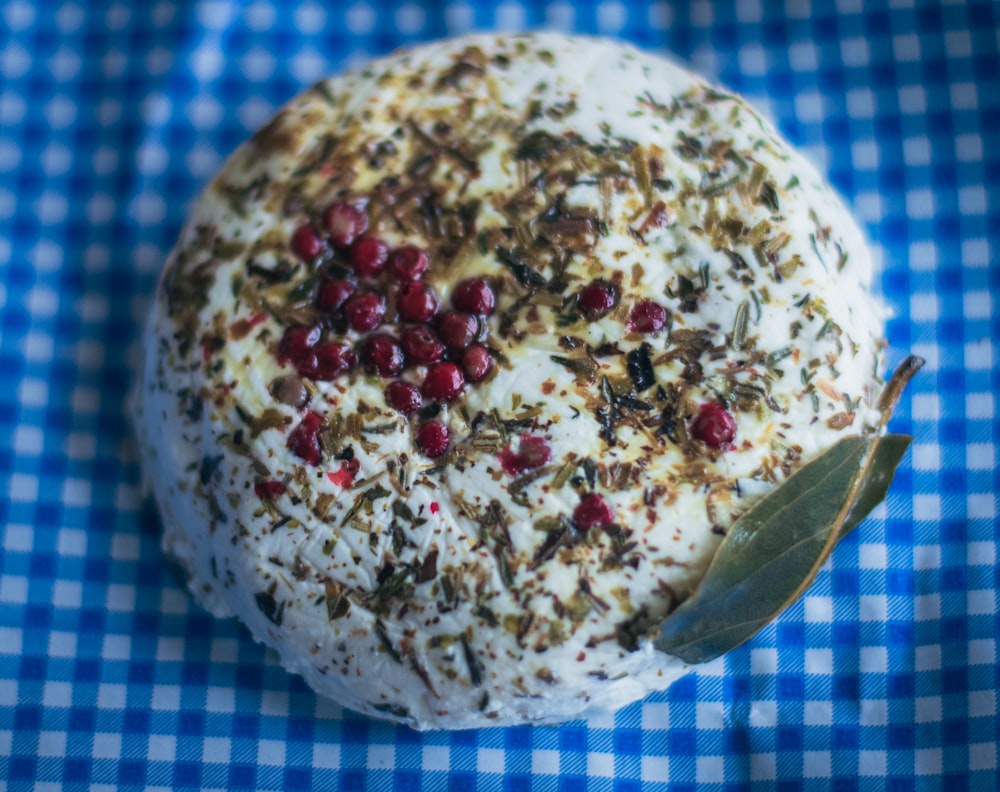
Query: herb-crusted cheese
[{"x": 456, "y": 591}]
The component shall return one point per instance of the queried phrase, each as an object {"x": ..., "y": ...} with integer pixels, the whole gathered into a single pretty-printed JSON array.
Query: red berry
[
  {"x": 421, "y": 346},
  {"x": 408, "y": 263},
  {"x": 714, "y": 426},
  {"x": 382, "y": 353},
  {"x": 433, "y": 439},
  {"x": 474, "y": 296},
  {"x": 596, "y": 299},
  {"x": 647, "y": 316},
  {"x": 332, "y": 293},
  {"x": 344, "y": 475},
  {"x": 327, "y": 362},
  {"x": 304, "y": 438},
  {"x": 345, "y": 224},
  {"x": 368, "y": 256},
  {"x": 457, "y": 330},
  {"x": 592, "y": 512},
  {"x": 268, "y": 490},
  {"x": 417, "y": 302},
  {"x": 298, "y": 340},
  {"x": 305, "y": 244},
  {"x": 364, "y": 311},
  {"x": 403, "y": 397},
  {"x": 532, "y": 452},
  {"x": 443, "y": 382},
  {"x": 307, "y": 366},
  {"x": 476, "y": 361}
]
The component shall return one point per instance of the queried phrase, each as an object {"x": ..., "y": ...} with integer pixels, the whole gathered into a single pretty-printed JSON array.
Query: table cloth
[{"x": 113, "y": 115}]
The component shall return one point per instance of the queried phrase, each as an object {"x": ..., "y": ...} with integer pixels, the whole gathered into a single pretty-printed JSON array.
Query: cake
[{"x": 465, "y": 363}]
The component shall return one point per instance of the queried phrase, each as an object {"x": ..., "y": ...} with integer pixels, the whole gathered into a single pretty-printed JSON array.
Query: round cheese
[{"x": 463, "y": 365}]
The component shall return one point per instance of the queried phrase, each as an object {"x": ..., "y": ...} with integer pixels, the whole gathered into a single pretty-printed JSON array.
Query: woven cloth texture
[{"x": 114, "y": 115}]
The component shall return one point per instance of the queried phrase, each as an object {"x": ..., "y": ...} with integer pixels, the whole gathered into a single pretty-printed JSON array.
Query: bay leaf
[
  {"x": 886, "y": 456},
  {"x": 772, "y": 553}
]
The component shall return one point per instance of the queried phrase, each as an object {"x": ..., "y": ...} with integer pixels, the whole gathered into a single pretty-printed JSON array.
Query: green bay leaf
[
  {"x": 886, "y": 455},
  {"x": 772, "y": 553}
]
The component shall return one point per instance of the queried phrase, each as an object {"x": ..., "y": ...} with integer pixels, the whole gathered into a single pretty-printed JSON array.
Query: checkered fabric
[{"x": 113, "y": 115}]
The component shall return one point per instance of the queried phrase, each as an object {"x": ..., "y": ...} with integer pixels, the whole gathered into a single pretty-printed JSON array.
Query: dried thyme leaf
[
  {"x": 769, "y": 196},
  {"x": 392, "y": 709},
  {"x": 267, "y": 605},
  {"x": 383, "y": 428},
  {"x": 539, "y": 146},
  {"x": 367, "y": 497},
  {"x": 337, "y": 605},
  {"x": 228, "y": 249},
  {"x": 521, "y": 271},
  {"x": 428, "y": 568},
  {"x": 582, "y": 367},
  {"x": 323, "y": 89},
  {"x": 740, "y": 325},
  {"x": 303, "y": 292},
  {"x": 215, "y": 509},
  {"x": 269, "y": 419},
  {"x": 564, "y": 473},
  {"x": 640, "y": 368},
  {"x": 383, "y": 638},
  {"x": 687, "y": 147},
  {"x": 519, "y": 484},
  {"x": 503, "y": 566},
  {"x": 377, "y": 492},
  {"x": 554, "y": 539},
  {"x": 403, "y": 511},
  {"x": 487, "y": 615},
  {"x": 840, "y": 420},
  {"x": 324, "y": 501},
  {"x": 777, "y": 356},
  {"x": 392, "y": 584},
  {"x": 475, "y": 665},
  {"x": 208, "y": 467}
]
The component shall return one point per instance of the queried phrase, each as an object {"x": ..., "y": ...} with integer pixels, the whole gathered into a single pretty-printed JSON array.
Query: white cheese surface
[{"x": 691, "y": 200}]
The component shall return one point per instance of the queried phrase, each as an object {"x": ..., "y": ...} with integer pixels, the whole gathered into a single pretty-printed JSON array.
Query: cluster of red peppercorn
[
  {"x": 385, "y": 288},
  {"x": 713, "y": 425},
  {"x": 598, "y": 298}
]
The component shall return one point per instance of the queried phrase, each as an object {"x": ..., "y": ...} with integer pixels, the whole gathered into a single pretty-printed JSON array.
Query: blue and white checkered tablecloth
[{"x": 113, "y": 115}]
